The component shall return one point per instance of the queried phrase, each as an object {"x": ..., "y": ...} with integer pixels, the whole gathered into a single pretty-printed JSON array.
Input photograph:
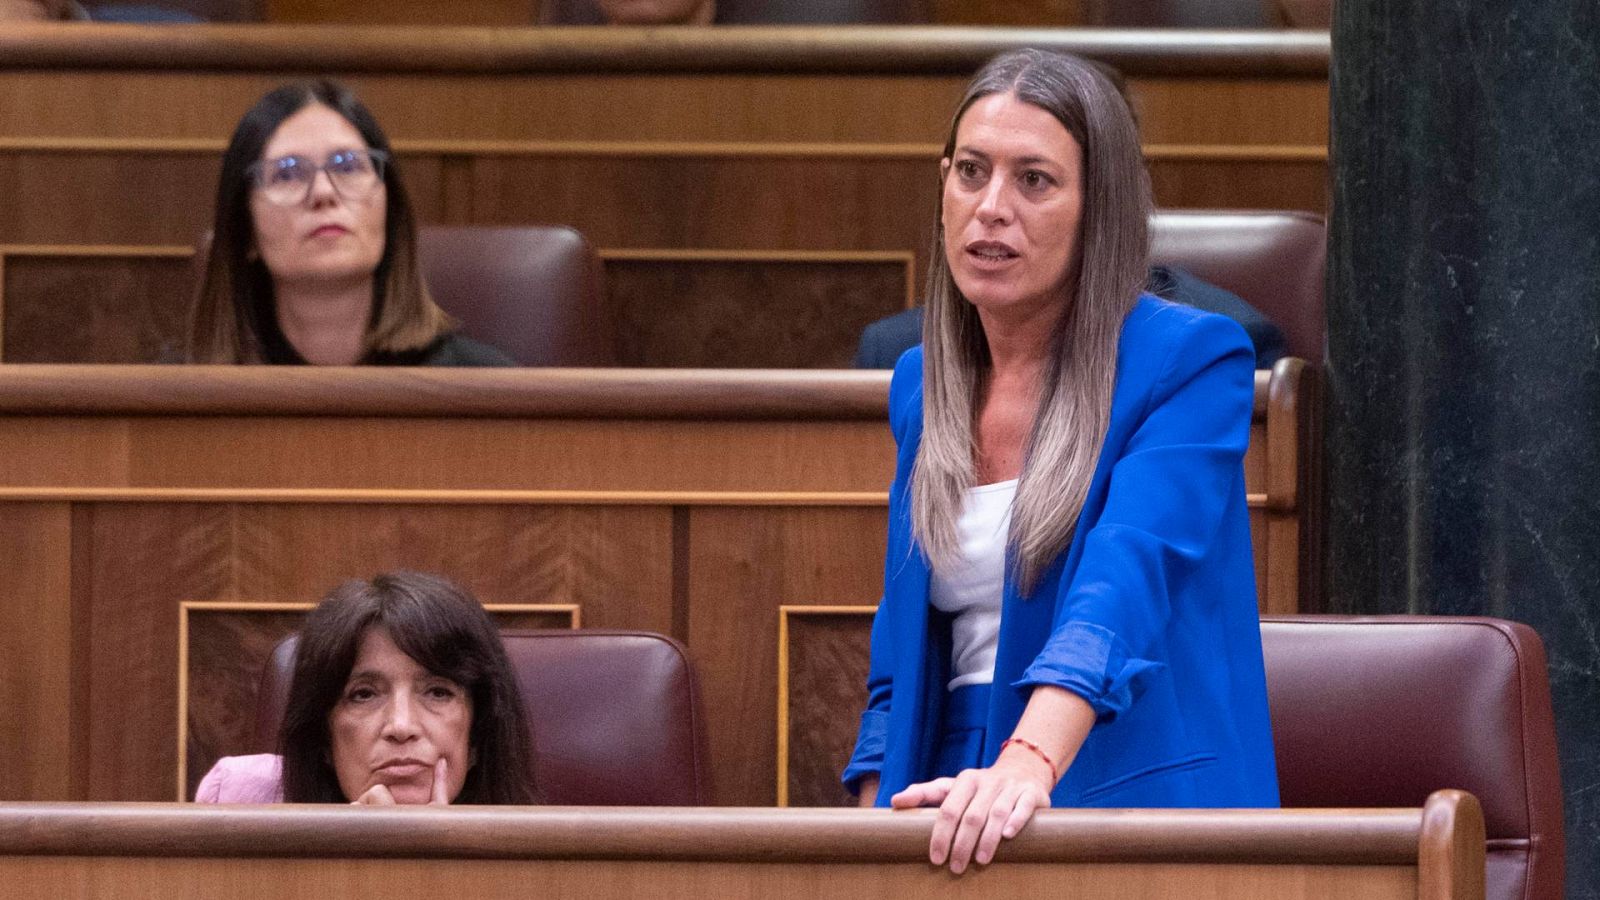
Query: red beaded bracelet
[{"x": 1024, "y": 742}]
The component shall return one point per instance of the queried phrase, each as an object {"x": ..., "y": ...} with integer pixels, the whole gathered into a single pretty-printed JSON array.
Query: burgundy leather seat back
[
  {"x": 535, "y": 292},
  {"x": 1276, "y": 260},
  {"x": 1381, "y": 711},
  {"x": 615, "y": 715}
]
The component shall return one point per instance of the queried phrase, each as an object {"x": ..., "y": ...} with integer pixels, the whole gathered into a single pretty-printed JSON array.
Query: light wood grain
[
  {"x": 753, "y": 563},
  {"x": 90, "y": 851},
  {"x": 124, "y": 879},
  {"x": 36, "y": 644}
]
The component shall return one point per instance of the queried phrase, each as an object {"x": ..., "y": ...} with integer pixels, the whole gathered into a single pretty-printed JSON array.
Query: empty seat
[
  {"x": 535, "y": 292},
  {"x": 1275, "y": 260},
  {"x": 1382, "y": 711}
]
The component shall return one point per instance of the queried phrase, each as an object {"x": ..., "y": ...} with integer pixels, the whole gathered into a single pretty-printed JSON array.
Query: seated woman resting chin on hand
[
  {"x": 401, "y": 694},
  {"x": 1069, "y": 609}
]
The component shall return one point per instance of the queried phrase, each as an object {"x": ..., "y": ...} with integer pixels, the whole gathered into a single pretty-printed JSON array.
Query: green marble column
[{"x": 1463, "y": 430}]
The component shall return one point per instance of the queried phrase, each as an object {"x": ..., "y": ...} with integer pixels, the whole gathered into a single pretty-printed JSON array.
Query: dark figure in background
[
  {"x": 313, "y": 254},
  {"x": 883, "y": 341}
]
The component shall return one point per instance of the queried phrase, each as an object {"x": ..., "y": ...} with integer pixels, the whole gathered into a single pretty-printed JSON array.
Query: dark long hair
[
  {"x": 448, "y": 633},
  {"x": 235, "y": 298}
]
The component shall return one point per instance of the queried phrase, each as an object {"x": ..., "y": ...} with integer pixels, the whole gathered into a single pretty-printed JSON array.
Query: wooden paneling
[
  {"x": 49, "y": 450},
  {"x": 105, "y": 197},
  {"x": 549, "y": 455},
  {"x": 594, "y": 109},
  {"x": 800, "y": 202},
  {"x": 614, "y": 562},
  {"x": 95, "y": 309},
  {"x": 754, "y": 562},
  {"x": 143, "y": 561},
  {"x": 120, "y": 878},
  {"x": 36, "y": 649},
  {"x": 699, "y": 504},
  {"x": 1245, "y": 184},
  {"x": 823, "y": 654},
  {"x": 751, "y": 312},
  {"x": 225, "y": 652}
]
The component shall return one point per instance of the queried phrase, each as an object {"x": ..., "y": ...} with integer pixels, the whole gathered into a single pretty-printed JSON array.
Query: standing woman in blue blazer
[{"x": 1069, "y": 608}]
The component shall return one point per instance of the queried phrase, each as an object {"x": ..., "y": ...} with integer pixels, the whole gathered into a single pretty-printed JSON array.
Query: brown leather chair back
[
  {"x": 1381, "y": 711},
  {"x": 615, "y": 715},
  {"x": 1275, "y": 260},
  {"x": 535, "y": 292}
]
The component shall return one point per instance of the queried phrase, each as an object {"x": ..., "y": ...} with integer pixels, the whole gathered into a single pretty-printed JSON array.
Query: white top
[{"x": 972, "y": 592}]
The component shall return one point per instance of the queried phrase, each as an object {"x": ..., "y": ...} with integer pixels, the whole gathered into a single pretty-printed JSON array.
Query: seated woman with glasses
[
  {"x": 402, "y": 694},
  {"x": 313, "y": 254}
]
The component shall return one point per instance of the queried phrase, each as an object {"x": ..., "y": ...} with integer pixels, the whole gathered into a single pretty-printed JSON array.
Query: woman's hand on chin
[
  {"x": 979, "y": 807},
  {"x": 378, "y": 795}
]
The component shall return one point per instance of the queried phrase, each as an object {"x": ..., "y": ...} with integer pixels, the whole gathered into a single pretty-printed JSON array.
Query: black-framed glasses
[{"x": 287, "y": 180}]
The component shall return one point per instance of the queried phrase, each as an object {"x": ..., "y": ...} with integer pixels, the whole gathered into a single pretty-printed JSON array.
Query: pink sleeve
[{"x": 243, "y": 779}]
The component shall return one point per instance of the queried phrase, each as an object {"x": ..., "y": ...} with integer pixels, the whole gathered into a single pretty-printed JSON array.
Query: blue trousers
[{"x": 961, "y": 740}]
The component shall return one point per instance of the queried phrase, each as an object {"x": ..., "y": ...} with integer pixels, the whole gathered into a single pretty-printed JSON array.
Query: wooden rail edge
[
  {"x": 118, "y": 390},
  {"x": 1451, "y": 856},
  {"x": 1352, "y": 837},
  {"x": 787, "y": 394},
  {"x": 938, "y": 50}
]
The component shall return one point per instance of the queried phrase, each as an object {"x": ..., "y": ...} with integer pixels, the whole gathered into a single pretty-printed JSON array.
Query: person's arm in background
[{"x": 1183, "y": 287}]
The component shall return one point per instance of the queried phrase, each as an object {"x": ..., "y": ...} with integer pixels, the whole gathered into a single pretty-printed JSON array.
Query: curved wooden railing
[
  {"x": 457, "y": 393},
  {"x": 918, "y": 49},
  {"x": 1433, "y": 852}
]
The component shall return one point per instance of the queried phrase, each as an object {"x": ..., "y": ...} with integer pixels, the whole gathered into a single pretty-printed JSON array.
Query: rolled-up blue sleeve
[
  {"x": 868, "y": 756},
  {"x": 1169, "y": 489},
  {"x": 1092, "y": 662}
]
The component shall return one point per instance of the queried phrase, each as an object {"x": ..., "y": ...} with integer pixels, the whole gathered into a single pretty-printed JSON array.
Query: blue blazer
[{"x": 1150, "y": 615}]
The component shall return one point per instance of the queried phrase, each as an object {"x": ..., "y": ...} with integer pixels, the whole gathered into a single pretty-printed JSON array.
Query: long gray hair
[{"x": 1075, "y": 395}]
